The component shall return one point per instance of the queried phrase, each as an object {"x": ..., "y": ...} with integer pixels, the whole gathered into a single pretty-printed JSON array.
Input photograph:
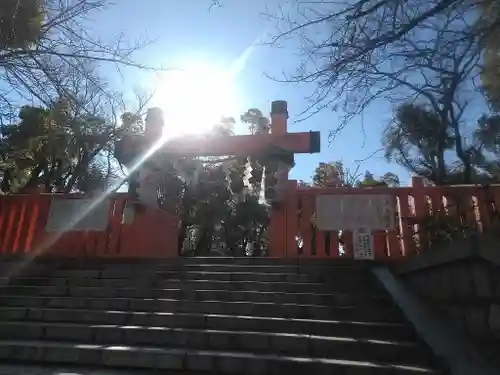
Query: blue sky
[{"x": 188, "y": 31}]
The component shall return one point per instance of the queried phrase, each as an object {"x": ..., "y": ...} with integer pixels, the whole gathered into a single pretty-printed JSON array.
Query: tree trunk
[{"x": 441, "y": 171}]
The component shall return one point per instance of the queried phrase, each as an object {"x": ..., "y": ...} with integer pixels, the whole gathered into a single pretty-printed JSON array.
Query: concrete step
[
  {"x": 269, "y": 309},
  {"x": 275, "y": 268},
  {"x": 325, "y": 288},
  {"x": 343, "y": 299},
  {"x": 220, "y": 362},
  {"x": 103, "y": 269},
  {"x": 345, "y": 286},
  {"x": 338, "y": 263},
  {"x": 119, "y": 273},
  {"x": 182, "y": 265},
  {"x": 347, "y": 328},
  {"x": 316, "y": 346}
]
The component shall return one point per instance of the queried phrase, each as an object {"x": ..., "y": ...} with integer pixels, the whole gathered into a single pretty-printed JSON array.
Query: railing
[
  {"x": 74, "y": 225},
  {"x": 295, "y": 235}
]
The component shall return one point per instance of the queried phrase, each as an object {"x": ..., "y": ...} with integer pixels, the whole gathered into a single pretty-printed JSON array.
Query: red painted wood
[
  {"x": 305, "y": 225},
  {"x": 347, "y": 236},
  {"x": 320, "y": 244},
  {"x": 406, "y": 220},
  {"x": 277, "y": 228},
  {"x": 291, "y": 224},
  {"x": 334, "y": 244},
  {"x": 394, "y": 245},
  {"x": 485, "y": 209},
  {"x": 233, "y": 145},
  {"x": 154, "y": 234},
  {"x": 379, "y": 245},
  {"x": 421, "y": 208}
]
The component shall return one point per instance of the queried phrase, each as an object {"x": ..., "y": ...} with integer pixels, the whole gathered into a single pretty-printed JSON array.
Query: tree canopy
[
  {"x": 335, "y": 174},
  {"x": 419, "y": 141},
  {"x": 58, "y": 147}
]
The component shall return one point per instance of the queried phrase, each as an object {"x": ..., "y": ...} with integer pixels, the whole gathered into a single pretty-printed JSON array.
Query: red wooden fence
[
  {"x": 294, "y": 234},
  {"x": 25, "y": 219}
]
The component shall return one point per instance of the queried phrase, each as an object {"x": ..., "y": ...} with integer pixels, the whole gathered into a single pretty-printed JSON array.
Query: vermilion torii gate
[{"x": 278, "y": 146}]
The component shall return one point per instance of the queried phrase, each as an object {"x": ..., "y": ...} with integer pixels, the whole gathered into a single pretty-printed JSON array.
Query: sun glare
[{"x": 195, "y": 98}]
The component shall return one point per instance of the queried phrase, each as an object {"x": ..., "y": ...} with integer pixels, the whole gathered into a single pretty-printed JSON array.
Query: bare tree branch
[
  {"x": 358, "y": 51},
  {"x": 64, "y": 44}
]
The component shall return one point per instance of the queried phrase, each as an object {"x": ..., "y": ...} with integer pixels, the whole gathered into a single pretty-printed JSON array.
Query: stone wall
[{"x": 462, "y": 282}]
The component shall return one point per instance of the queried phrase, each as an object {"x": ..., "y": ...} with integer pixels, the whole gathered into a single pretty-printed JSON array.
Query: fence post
[
  {"x": 277, "y": 231},
  {"x": 291, "y": 220},
  {"x": 417, "y": 182},
  {"x": 421, "y": 207}
]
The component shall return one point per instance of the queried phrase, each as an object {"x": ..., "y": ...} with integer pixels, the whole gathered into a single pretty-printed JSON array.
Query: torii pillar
[{"x": 278, "y": 227}]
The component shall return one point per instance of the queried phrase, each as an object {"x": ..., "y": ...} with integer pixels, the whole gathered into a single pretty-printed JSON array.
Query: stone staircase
[{"x": 206, "y": 315}]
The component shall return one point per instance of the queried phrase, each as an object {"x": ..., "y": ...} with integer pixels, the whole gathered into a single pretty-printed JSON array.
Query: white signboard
[
  {"x": 363, "y": 244},
  {"x": 352, "y": 211},
  {"x": 73, "y": 215}
]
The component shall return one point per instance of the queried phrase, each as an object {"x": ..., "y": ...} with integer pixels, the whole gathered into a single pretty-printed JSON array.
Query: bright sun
[{"x": 195, "y": 98}]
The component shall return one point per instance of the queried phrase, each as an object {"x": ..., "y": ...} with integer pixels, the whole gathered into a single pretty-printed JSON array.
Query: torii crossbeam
[
  {"x": 278, "y": 141},
  {"x": 297, "y": 143}
]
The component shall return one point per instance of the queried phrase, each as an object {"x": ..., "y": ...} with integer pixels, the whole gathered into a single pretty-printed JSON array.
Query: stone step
[
  {"x": 344, "y": 299},
  {"x": 206, "y": 315},
  {"x": 150, "y": 269},
  {"x": 322, "y": 312},
  {"x": 273, "y": 268},
  {"x": 346, "y": 328},
  {"x": 316, "y": 346},
  {"x": 366, "y": 289},
  {"x": 179, "y": 265},
  {"x": 338, "y": 263},
  {"x": 116, "y": 273},
  {"x": 287, "y": 287},
  {"x": 219, "y": 362}
]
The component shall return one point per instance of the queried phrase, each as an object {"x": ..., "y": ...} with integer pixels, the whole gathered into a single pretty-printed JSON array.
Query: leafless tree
[{"x": 361, "y": 51}]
